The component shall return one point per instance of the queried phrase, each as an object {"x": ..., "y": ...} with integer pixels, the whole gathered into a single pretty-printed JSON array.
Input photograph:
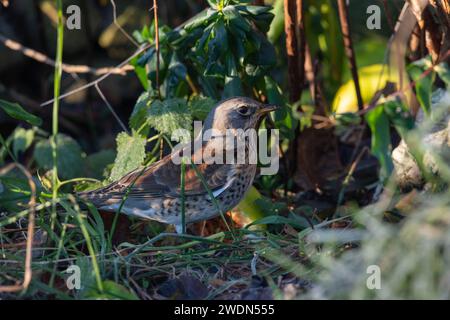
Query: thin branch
[
  {"x": 111, "y": 109},
  {"x": 121, "y": 65},
  {"x": 68, "y": 68},
  {"x": 349, "y": 51},
  {"x": 120, "y": 27},
  {"x": 101, "y": 78}
]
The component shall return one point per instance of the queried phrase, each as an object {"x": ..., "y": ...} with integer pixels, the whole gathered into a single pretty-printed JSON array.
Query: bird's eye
[{"x": 244, "y": 110}]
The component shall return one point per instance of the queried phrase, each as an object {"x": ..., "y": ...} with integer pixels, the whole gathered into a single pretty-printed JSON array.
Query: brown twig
[
  {"x": 349, "y": 51},
  {"x": 120, "y": 27},
  {"x": 111, "y": 109},
  {"x": 68, "y": 68},
  {"x": 388, "y": 14},
  {"x": 301, "y": 43},
  {"x": 28, "y": 274},
  {"x": 101, "y": 78},
  {"x": 107, "y": 74},
  {"x": 291, "y": 49}
]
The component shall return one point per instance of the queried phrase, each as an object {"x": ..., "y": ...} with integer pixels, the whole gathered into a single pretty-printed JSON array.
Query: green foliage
[
  {"x": 220, "y": 48},
  {"x": 378, "y": 123},
  {"x": 201, "y": 106},
  {"x": 423, "y": 76},
  {"x": 15, "y": 191},
  {"x": 15, "y": 111},
  {"x": 443, "y": 71},
  {"x": 130, "y": 154},
  {"x": 169, "y": 115},
  {"x": 96, "y": 164},
  {"x": 22, "y": 140},
  {"x": 70, "y": 160},
  {"x": 164, "y": 116},
  {"x": 111, "y": 291}
]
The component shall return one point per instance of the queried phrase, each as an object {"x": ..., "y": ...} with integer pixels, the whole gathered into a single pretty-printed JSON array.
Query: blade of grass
[
  {"x": 183, "y": 198},
  {"x": 213, "y": 199},
  {"x": 56, "y": 93},
  {"x": 75, "y": 211}
]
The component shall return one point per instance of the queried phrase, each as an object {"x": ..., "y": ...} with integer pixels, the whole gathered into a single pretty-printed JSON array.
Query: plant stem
[
  {"x": 292, "y": 49},
  {"x": 349, "y": 51},
  {"x": 155, "y": 14},
  {"x": 183, "y": 198},
  {"x": 56, "y": 92}
]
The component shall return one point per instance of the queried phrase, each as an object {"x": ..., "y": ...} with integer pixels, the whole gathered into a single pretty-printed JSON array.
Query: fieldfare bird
[{"x": 155, "y": 192}]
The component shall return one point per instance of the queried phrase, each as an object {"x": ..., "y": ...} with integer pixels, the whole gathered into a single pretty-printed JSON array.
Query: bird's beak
[{"x": 268, "y": 108}]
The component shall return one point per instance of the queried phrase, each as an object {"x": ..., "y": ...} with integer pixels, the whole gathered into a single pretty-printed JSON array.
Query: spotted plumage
[{"x": 154, "y": 192}]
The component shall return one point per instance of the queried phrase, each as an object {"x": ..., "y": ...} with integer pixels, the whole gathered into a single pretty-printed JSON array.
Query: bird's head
[{"x": 237, "y": 113}]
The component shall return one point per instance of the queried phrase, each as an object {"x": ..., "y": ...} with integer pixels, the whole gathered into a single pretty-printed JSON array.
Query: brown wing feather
[{"x": 163, "y": 179}]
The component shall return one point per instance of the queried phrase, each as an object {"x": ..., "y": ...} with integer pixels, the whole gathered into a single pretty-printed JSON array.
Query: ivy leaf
[
  {"x": 15, "y": 111},
  {"x": 169, "y": 115},
  {"x": 130, "y": 154},
  {"x": 378, "y": 123},
  {"x": 70, "y": 160},
  {"x": 201, "y": 106}
]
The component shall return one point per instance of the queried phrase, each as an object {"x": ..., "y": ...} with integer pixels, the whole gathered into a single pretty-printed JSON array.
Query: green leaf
[
  {"x": 296, "y": 223},
  {"x": 378, "y": 123},
  {"x": 234, "y": 17},
  {"x": 283, "y": 117},
  {"x": 15, "y": 191},
  {"x": 423, "y": 83},
  {"x": 233, "y": 87},
  {"x": 15, "y": 111},
  {"x": 112, "y": 291},
  {"x": 96, "y": 163},
  {"x": 443, "y": 71},
  {"x": 169, "y": 115},
  {"x": 201, "y": 106},
  {"x": 130, "y": 154},
  {"x": 202, "y": 19},
  {"x": 70, "y": 160},
  {"x": 139, "y": 115},
  {"x": 22, "y": 140},
  {"x": 141, "y": 73},
  {"x": 217, "y": 47},
  {"x": 176, "y": 73},
  {"x": 400, "y": 116}
]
